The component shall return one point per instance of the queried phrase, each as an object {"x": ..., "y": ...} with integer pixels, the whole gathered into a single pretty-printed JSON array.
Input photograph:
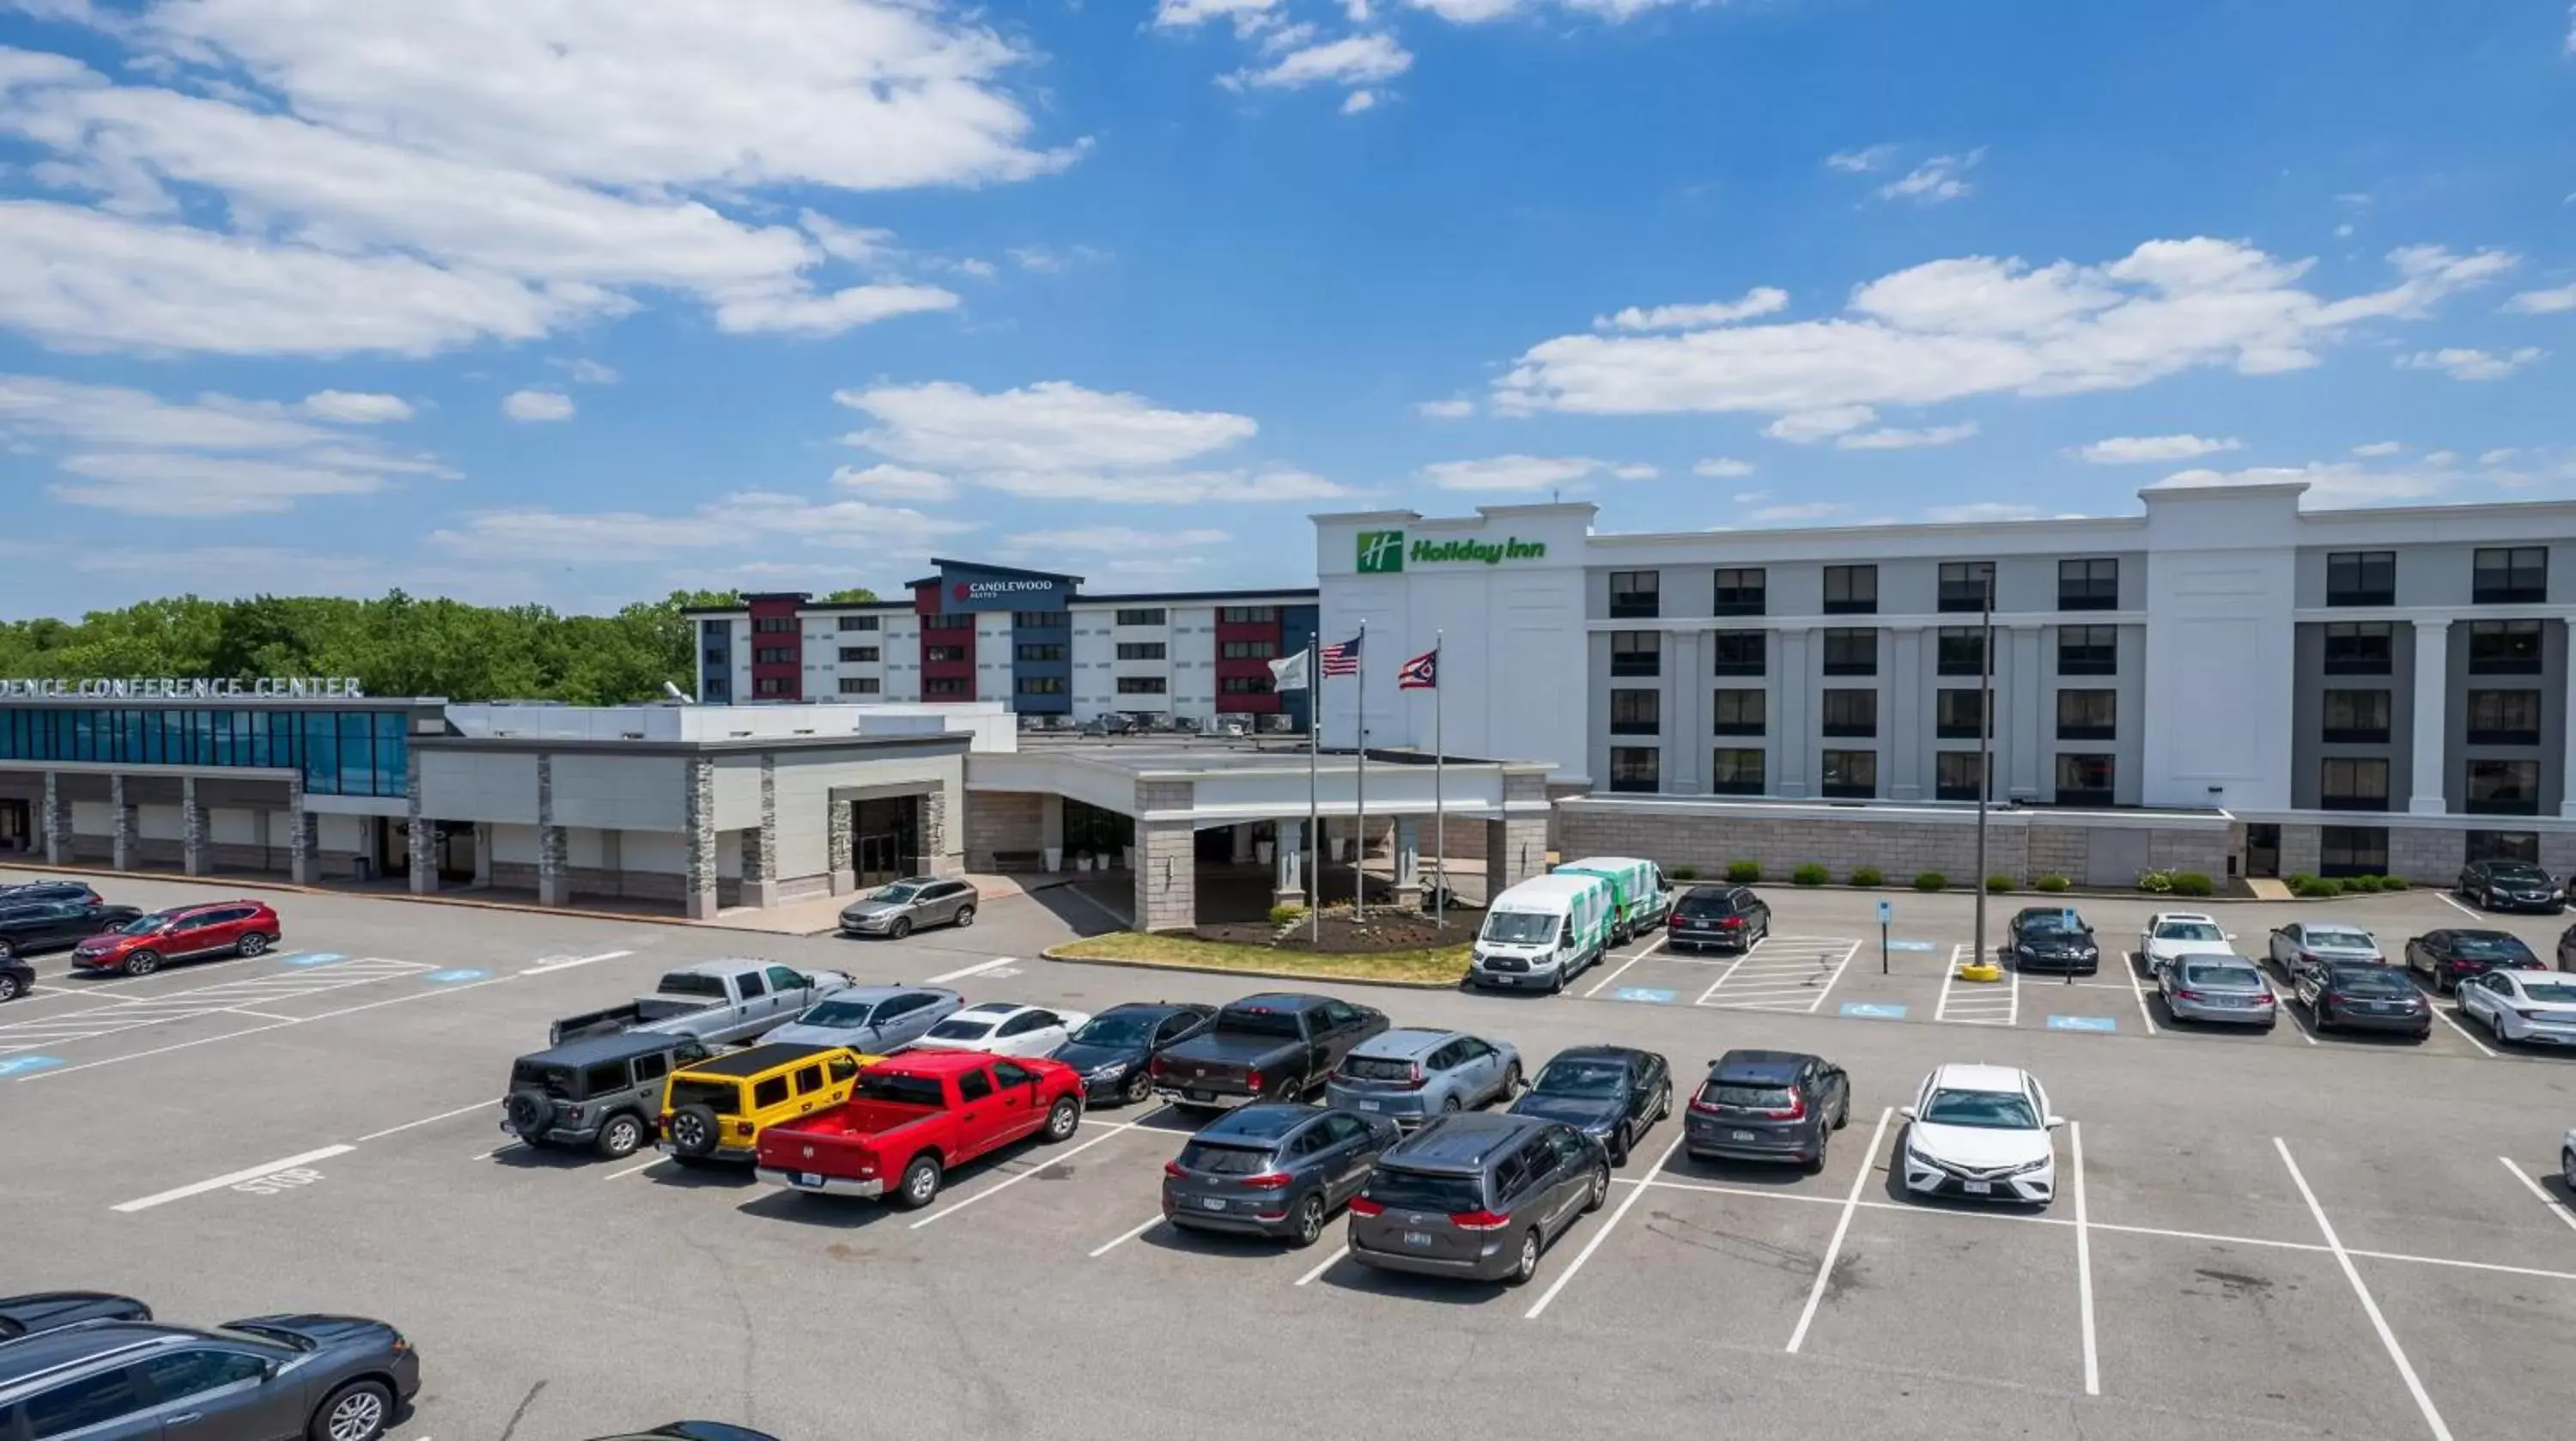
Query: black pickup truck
[{"x": 1275, "y": 1047}]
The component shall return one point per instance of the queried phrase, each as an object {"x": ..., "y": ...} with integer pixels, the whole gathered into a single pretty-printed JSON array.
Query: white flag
[{"x": 1290, "y": 673}]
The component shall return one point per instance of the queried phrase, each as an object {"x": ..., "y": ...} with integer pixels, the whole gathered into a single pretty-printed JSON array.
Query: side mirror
[
  {"x": 268, "y": 1369},
  {"x": 2056, "y": 1121},
  {"x": 2231, "y": 935},
  {"x": 1906, "y": 1111}
]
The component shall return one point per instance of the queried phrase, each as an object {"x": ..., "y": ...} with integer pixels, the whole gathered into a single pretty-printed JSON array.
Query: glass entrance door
[
  {"x": 2263, "y": 851},
  {"x": 885, "y": 840},
  {"x": 14, "y": 828}
]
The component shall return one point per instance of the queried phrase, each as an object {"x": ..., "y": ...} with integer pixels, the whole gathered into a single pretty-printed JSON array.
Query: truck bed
[
  {"x": 841, "y": 1138},
  {"x": 635, "y": 1014}
]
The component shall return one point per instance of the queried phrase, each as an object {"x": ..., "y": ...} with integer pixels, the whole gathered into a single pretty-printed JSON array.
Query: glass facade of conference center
[{"x": 339, "y": 752}]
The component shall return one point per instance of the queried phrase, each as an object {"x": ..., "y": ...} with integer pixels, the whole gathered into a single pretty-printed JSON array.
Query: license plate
[
  {"x": 1201, "y": 1095},
  {"x": 1417, "y": 1238},
  {"x": 1978, "y": 1188},
  {"x": 1212, "y": 1203},
  {"x": 809, "y": 1178},
  {"x": 1740, "y": 1135},
  {"x": 1368, "y": 1105},
  {"x": 1506, "y": 981}
]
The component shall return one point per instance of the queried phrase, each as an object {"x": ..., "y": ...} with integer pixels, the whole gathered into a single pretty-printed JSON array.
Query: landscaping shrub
[
  {"x": 1999, "y": 884},
  {"x": 1930, "y": 881},
  {"x": 1867, "y": 876},
  {"x": 2054, "y": 884},
  {"x": 1810, "y": 874},
  {"x": 1286, "y": 915},
  {"x": 2193, "y": 883},
  {"x": 2392, "y": 883},
  {"x": 1684, "y": 873},
  {"x": 2156, "y": 883},
  {"x": 2361, "y": 884},
  {"x": 2295, "y": 879},
  {"x": 1744, "y": 873},
  {"x": 2317, "y": 888}
]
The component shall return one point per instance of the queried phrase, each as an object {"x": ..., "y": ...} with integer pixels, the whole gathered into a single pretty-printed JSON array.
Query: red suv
[{"x": 183, "y": 933}]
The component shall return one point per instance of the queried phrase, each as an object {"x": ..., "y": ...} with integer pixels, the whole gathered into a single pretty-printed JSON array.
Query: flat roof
[
  {"x": 958, "y": 741},
  {"x": 1161, "y": 757}
]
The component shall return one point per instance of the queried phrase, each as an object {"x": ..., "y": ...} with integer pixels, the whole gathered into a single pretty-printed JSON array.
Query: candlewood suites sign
[{"x": 173, "y": 687}]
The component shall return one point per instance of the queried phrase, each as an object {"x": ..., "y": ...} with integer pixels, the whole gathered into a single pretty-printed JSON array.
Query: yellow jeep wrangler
[{"x": 716, "y": 1109}]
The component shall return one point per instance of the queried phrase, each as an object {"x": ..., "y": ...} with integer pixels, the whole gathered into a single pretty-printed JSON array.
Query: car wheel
[
  {"x": 2321, "y": 1015},
  {"x": 1450, "y": 1105},
  {"x": 1527, "y": 1266},
  {"x": 1062, "y": 1120},
  {"x": 2567, "y": 1168},
  {"x": 530, "y": 1112},
  {"x": 1815, "y": 1164},
  {"x": 920, "y": 1184},
  {"x": 7, "y": 951},
  {"x": 250, "y": 945},
  {"x": 1512, "y": 1081},
  {"x": 1664, "y": 1101},
  {"x": 620, "y": 1137},
  {"x": 1842, "y": 1112},
  {"x": 1620, "y": 1143},
  {"x": 1600, "y": 1192},
  {"x": 1137, "y": 1088},
  {"x": 1556, "y": 983},
  {"x": 1290, "y": 1088},
  {"x": 355, "y": 1412},
  {"x": 901, "y": 928},
  {"x": 8, "y": 986},
  {"x": 142, "y": 963},
  {"x": 1310, "y": 1220},
  {"x": 965, "y": 917},
  {"x": 693, "y": 1131}
]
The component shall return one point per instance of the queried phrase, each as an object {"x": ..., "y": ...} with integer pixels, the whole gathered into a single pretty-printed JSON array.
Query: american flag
[
  {"x": 1343, "y": 659},
  {"x": 1420, "y": 673}
]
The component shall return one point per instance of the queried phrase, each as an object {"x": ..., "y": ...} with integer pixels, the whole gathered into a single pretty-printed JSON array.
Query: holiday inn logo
[{"x": 1381, "y": 552}]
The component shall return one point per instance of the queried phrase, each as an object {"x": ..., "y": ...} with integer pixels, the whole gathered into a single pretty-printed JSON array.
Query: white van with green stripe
[
  {"x": 1638, "y": 898},
  {"x": 1539, "y": 934}
]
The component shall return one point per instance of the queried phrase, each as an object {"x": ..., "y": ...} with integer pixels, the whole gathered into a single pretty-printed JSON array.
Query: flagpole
[
  {"x": 1359, "y": 791},
  {"x": 1439, "y": 812},
  {"x": 1314, "y": 820}
]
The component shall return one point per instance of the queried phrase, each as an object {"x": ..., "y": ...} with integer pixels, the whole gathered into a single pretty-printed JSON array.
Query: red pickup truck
[{"x": 913, "y": 1118}]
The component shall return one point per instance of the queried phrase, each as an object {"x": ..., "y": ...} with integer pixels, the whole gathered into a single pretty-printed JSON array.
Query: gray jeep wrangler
[{"x": 604, "y": 1092}]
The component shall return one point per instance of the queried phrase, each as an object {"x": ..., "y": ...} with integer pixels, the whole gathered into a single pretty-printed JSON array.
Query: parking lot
[{"x": 2265, "y": 1234}]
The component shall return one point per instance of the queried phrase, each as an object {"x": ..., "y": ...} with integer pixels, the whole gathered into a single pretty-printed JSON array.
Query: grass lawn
[{"x": 1442, "y": 964}]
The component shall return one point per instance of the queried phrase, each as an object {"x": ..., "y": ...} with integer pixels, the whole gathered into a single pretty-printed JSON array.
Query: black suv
[
  {"x": 338, "y": 1377},
  {"x": 48, "y": 1310},
  {"x": 27, "y": 927},
  {"x": 2511, "y": 886},
  {"x": 604, "y": 1092},
  {"x": 29, "y": 891},
  {"x": 2053, "y": 938},
  {"x": 1728, "y": 918}
]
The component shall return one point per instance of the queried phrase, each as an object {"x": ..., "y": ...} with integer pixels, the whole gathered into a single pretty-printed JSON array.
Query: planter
[
  {"x": 1262, "y": 851},
  {"x": 1054, "y": 858},
  {"x": 1127, "y": 858},
  {"x": 1082, "y": 863}
]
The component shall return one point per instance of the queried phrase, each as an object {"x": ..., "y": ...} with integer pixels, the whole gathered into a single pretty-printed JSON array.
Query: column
[
  {"x": 482, "y": 854},
  {"x": 192, "y": 828},
  {"x": 121, "y": 811},
  {"x": 554, "y": 888},
  {"x": 2567, "y": 747},
  {"x": 698, "y": 839},
  {"x": 420, "y": 833},
  {"x": 299, "y": 835},
  {"x": 1685, "y": 714},
  {"x": 1166, "y": 876},
  {"x": 760, "y": 843},
  {"x": 58, "y": 821},
  {"x": 1051, "y": 830},
  {"x": 1407, "y": 863},
  {"x": 2432, "y": 727},
  {"x": 1794, "y": 741},
  {"x": 1288, "y": 864},
  {"x": 2023, "y": 734},
  {"x": 1901, "y": 705},
  {"x": 936, "y": 857},
  {"x": 1242, "y": 837}
]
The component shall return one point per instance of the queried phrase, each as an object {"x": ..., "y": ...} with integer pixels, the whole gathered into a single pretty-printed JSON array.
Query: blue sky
[{"x": 582, "y": 301}]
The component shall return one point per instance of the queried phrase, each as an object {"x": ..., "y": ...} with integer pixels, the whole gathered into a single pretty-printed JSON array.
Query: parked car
[
  {"x": 1981, "y": 1132},
  {"x": 1610, "y": 1093},
  {"x": 1725, "y": 918},
  {"x": 31, "y": 926},
  {"x": 2053, "y": 938},
  {"x": 913, "y": 1119},
  {"x": 17, "y": 978},
  {"x": 1115, "y": 1050},
  {"x": 338, "y": 1378},
  {"x": 728, "y": 1000},
  {"x": 27, "y": 892},
  {"x": 2567, "y": 949},
  {"x": 1767, "y": 1106},
  {"x": 183, "y": 933},
  {"x": 1003, "y": 1028},
  {"x": 1542, "y": 933},
  {"x": 896, "y": 911},
  {"x": 1413, "y": 1074},
  {"x": 2567, "y": 1159},
  {"x": 2218, "y": 990},
  {"x": 1273, "y": 1169},
  {"x": 691, "y": 1431},
  {"x": 2172, "y": 935},
  {"x": 2447, "y": 957},
  {"x": 1273, "y": 1047},
  {"x": 599, "y": 1091},
  {"x": 2520, "y": 1006},
  {"x": 2363, "y": 996},
  {"x": 2511, "y": 886},
  {"x": 717, "y": 1109},
  {"x": 2302, "y": 944},
  {"x": 1477, "y": 1196},
  {"x": 50, "y": 1310},
  {"x": 1639, "y": 899},
  {"x": 880, "y": 1019}
]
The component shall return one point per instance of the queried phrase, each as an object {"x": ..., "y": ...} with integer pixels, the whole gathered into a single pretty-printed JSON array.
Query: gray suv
[
  {"x": 604, "y": 1092},
  {"x": 898, "y": 910},
  {"x": 1477, "y": 1196},
  {"x": 338, "y": 1378},
  {"x": 1272, "y": 1169},
  {"x": 1413, "y": 1074}
]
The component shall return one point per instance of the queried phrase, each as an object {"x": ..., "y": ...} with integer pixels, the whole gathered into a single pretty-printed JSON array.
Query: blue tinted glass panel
[
  {"x": 321, "y": 753},
  {"x": 392, "y": 752},
  {"x": 357, "y": 755}
]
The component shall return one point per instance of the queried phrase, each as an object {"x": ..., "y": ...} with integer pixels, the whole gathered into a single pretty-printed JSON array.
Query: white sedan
[
  {"x": 2534, "y": 1006},
  {"x": 1003, "y": 1028},
  {"x": 1981, "y": 1132},
  {"x": 2172, "y": 935}
]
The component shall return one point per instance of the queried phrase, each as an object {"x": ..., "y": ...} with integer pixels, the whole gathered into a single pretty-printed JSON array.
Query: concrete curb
[{"x": 1050, "y": 954}]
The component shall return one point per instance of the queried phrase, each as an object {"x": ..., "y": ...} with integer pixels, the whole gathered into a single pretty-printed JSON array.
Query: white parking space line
[
  {"x": 2378, "y": 1323},
  {"x": 1656, "y": 945},
  {"x": 1601, "y": 1235},
  {"x": 2433, "y": 1003},
  {"x": 2138, "y": 988},
  {"x": 2084, "y": 1264},
  {"x": 496, "y": 1150},
  {"x": 229, "y": 1178},
  {"x": 1842, "y": 1228},
  {"x": 1714, "y": 1190},
  {"x": 631, "y": 1170},
  {"x": 423, "y": 1121},
  {"x": 2454, "y": 902},
  {"x": 60, "y": 1071},
  {"x": 1099, "y": 1251},
  {"x": 2556, "y": 1207},
  {"x": 1978, "y": 1003},
  {"x": 977, "y": 969},
  {"x": 566, "y": 963},
  {"x": 1007, "y": 1182},
  {"x": 229, "y": 997},
  {"x": 1328, "y": 1263},
  {"x": 1783, "y": 973}
]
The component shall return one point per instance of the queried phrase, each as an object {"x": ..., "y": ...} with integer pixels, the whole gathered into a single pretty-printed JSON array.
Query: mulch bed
[{"x": 1381, "y": 931}]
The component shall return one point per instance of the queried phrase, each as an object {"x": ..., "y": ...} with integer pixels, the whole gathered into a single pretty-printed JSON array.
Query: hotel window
[
  {"x": 1249, "y": 649},
  {"x": 2083, "y": 780},
  {"x": 716, "y": 655},
  {"x": 2510, "y": 575},
  {"x": 1140, "y": 685},
  {"x": 1738, "y": 712},
  {"x": 1967, "y": 584},
  {"x": 1735, "y": 652},
  {"x": 1958, "y": 715},
  {"x": 774, "y": 655},
  {"x": 2356, "y": 717},
  {"x": 1249, "y": 614},
  {"x": 2504, "y": 788},
  {"x": 1152, "y": 616},
  {"x": 1042, "y": 650},
  {"x": 858, "y": 622},
  {"x": 2088, "y": 584},
  {"x": 2504, "y": 846},
  {"x": 860, "y": 685},
  {"x": 1850, "y": 775},
  {"x": 2504, "y": 718},
  {"x": 1851, "y": 652},
  {"x": 1141, "y": 650},
  {"x": 2088, "y": 715},
  {"x": 1636, "y": 653},
  {"x": 2361, "y": 577},
  {"x": 962, "y": 620},
  {"x": 2359, "y": 648},
  {"x": 1960, "y": 650},
  {"x": 1955, "y": 775},
  {"x": 2088, "y": 650},
  {"x": 774, "y": 685},
  {"x": 1636, "y": 594},
  {"x": 1040, "y": 619},
  {"x": 773, "y": 624},
  {"x": 1848, "y": 713},
  {"x": 1042, "y": 685},
  {"x": 858, "y": 654},
  {"x": 1636, "y": 768},
  {"x": 936, "y": 653},
  {"x": 949, "y": 685},
  {"x": 1851, "y": 590},
  {"x": 1636, "y": 712},
  {"x": 2352, "y": 783},
  {"x": 2504, "y": 647},
  {"x": 1246, "y": 685},
  {"x": 1735, "y": 772},
  {"x": 2352, "y": 851},
  {"x": 1741, "y": 592}
]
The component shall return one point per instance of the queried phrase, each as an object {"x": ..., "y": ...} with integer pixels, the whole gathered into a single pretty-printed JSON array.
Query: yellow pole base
[{"x": 1981, "y": 971}]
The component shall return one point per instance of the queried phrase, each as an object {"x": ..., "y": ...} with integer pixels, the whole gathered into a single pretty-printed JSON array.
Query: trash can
[{"x": 363, "y": 867}]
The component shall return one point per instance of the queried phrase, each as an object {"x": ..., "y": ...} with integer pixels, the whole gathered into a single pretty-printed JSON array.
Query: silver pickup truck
[{"x": 715, "y": 1001}]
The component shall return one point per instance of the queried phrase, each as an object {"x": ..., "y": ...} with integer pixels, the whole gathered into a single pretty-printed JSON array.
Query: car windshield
[
  {"x": 2189, "y": 931},
  {"x": 2517, "y": 871},
  {"x": 875, "y": 1085},
  {"x": 1376, "y": 1068},
  {"x": 2241, "y": 978},
  {"x": 1520, "y": 928},
  {"x": 1424, "y": 1191},
  {"x": 1705, "y": 905},
  {"x": 2487, "y": 948},
  {"x": 896, "y": 895},
  {"x": 835, "y": 1013},
  {"x": 2327, "y": 940},
  {"x": 1215, "y": 1160},
  {"x": 146, "y": 925},
  {"x": 1115, "y": 1031},
  {"x": 2556, "y": 993},
  {"x": 2050, "y": 928},
  {"x": 1592, "y": 1079},
  {"x": 958, "y": 1028},
  {"x": 691, "y": 983},
  {"x": 2373, "y": 981},
  {"x": 1984, "y": 1110}
]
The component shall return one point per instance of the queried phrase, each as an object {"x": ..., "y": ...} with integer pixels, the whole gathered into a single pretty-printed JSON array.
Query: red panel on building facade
[
  {"x": 782, "y": 676},
  {"x": 951, "y": 637},
  {"x": 1255, "y": 635}
]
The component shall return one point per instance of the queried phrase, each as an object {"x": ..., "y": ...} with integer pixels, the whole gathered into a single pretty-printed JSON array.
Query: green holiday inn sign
[{"x": 1383, "y": 552}]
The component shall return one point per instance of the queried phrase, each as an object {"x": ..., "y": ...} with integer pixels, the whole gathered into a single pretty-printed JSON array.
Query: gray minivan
[{"x": 1477, "y": 1195}]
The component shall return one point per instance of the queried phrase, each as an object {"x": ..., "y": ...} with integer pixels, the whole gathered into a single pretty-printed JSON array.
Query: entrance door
[
  {"x": 885, "y": 840},
  {"x": 15, "y": 827},
  {"x": 455, "y": 852},
  {"x": 2263, "y": 851}
]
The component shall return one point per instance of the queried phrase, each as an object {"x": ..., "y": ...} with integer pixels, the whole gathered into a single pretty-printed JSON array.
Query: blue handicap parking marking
[
  {"x": 452, "y": 977},
  {"x": 1643, "y": 993},
  {"x": 1909, "y": 945},
  {"x": 2083, "y": 1023},
  {"x": 1874, "y": 1010},
  {"x": 315, "y": 958},
  {"x": 20, "y": 1065}
]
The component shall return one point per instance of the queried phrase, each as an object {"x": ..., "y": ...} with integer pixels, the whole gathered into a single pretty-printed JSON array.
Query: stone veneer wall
[
  {"x": 2428, "y": 855},
  {"x": 998, "y": 821},
  {"x": 1166, "y": 860}
]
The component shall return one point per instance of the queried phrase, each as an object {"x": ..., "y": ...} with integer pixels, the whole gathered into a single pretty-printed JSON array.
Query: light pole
[{"x": 1981, "y": 966}]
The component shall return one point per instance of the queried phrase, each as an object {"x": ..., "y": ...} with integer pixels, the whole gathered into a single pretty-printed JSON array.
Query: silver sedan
[
  {"x": 2221, "y": 990},
  {"x": 906, "y": 906}
]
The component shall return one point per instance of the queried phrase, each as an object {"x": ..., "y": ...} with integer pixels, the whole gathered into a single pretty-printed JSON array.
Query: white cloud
[
  {"x": 1805, "y": 511},
  {"x": 2343, "y": 231},
  {"x": 1182, "y": 13},
  {"x": 1112, "y": 540},
  {"x": 1046, "y": 260},
  {"x": 588, "y": 372},
  {"x": 1444, "y": 409},
  {"x": 1894, "y": 439},
  {"x": 2461, "y": 364},
  {"x": 2377, "y": 448},
  {"x": 1752, "y": 497},
  {"x": 1979, "y": 512},
  {"x": 2441, "y": 457},
  {"x": 895, "y": 482},
  {"x": 1352, "y": 60},
  {"x": 1936, "y": 181},
  {"x": 1803, "y": 427},
  {"x": 1527, "y": 472},
  {"x": 1950, "y": 329},
  {"x": 752, "y": 520},
  {"x": 356, "y": 407},
  {"x": 2501, "y": 455},
  {"x": 1359, "y": 100},
  {"x": 1862, "y": 161},
  {"x": 1189, "y": 487},
  {"x": 175, "y": 483},
  {"x": 1760, "y": 300},
  {"x": 801, "y": 312},
  {"x": 2136, "y": 449},
  {"x": 1720, "y": 467},
  {"x": 537, "y": 405},
  {"x": 2544, "y": 302},
  {"x": 115, "y": 415}
]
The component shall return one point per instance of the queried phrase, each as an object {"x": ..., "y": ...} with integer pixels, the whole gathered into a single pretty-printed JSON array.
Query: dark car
[
  {"x": 2352, "y": 996},
  {"x": 1767, "y": 1106},
  {"x": 1477, "y": 1195},
  {"x": 692, "y": 1431},
  {"x": 604, "y": 1092},
  {"x": 2449, "y": 957},
  {"x": 1279, "y": 1046},
  {"x": 2053, "y": 938},
  {"x": 2511, "y": 886},
  {"x": 1115, "y": 1050},
  {"x": 1610, "y": 1093},
  {"x": 17, "y": 978},
  {"x": 2567, "y": 949},
  {"x": 1272, "y": 1170},
  {"x": 47, "y": 1310},
  {"x": 1726, "y": 918},
  {"x": 27, "y": 927},
  {"x": 26, "y": 892},
  {"x": 337, "y": 1378}
]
